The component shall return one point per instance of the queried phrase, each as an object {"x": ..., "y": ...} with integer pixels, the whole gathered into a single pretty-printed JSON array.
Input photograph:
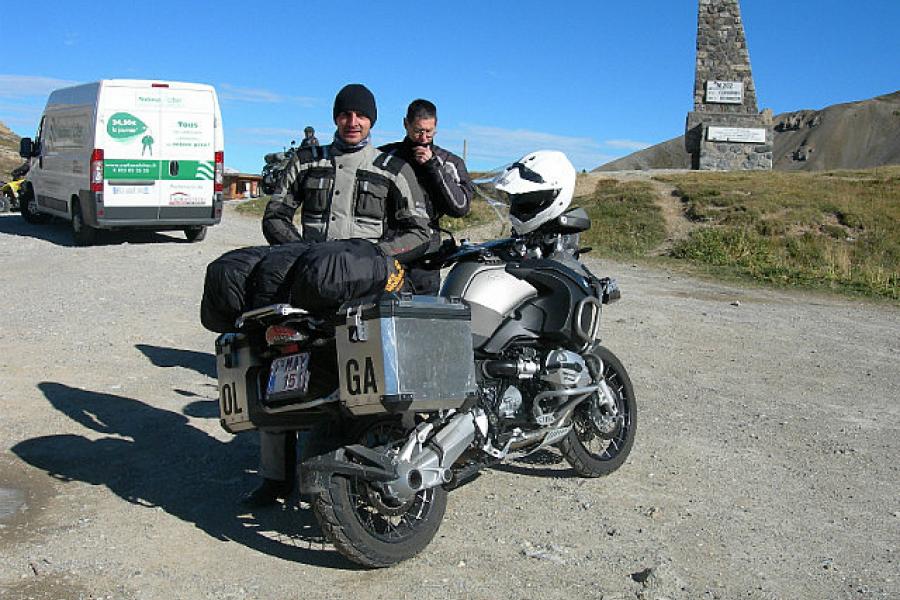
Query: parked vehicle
[
  {"x": 127, "y": 154},
  {"x": 9, "y": 190},
  {"x": 9, "y": 195},
  {"x": 429, "y": 390},
  {"x": 276, "y": 163}
]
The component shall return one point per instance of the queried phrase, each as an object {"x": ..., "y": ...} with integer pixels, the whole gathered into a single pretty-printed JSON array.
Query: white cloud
[
  {"x": 626, "y": 144},
  {"x": 24, "y": 86},
  {"x": 239, "y": 94},
  {"x": 489, "y": 147},
  {"x": 270, "y": 137}
]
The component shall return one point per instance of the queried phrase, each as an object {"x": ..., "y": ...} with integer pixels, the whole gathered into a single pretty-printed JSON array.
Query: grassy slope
[{"x": 837, "y": 229}]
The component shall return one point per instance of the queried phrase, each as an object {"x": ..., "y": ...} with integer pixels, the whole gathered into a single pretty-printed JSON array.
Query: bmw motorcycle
[{"x": 404, "y": 398}]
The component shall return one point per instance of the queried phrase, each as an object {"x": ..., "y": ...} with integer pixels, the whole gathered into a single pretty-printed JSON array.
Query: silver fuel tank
[{"x": 491, "y": 293}]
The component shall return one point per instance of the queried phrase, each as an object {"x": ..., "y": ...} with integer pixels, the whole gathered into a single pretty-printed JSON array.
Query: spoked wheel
[
  {"x": 602, "y": 433},
  {"x": 366, "y": 526}
]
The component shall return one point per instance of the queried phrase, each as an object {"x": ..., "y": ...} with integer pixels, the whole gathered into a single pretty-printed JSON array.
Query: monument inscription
[
  {"x": 741, "y": 135},
  {"x": 724, "y": 92}
]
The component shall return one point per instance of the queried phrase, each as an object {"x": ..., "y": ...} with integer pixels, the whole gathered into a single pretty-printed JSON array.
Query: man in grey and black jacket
[
  {"x": 349, "y": 189},
  {"x": 442, "y": 176},
  {"x": 346, "y": 189}
]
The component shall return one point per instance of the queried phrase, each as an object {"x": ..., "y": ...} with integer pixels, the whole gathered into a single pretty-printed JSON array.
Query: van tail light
[
  {"x": 219, "y": 177},
  {"x": 97, "y": 170}
]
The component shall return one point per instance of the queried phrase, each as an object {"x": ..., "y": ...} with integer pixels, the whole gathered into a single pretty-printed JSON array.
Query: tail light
[
  {"x": 97, "y": 170},
  {"x": 281, "y": 335},
  {"x": 219, "y": 177}
]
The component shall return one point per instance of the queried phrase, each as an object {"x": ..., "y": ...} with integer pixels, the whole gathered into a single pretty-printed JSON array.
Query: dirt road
[{"x": 766, "y": 463}]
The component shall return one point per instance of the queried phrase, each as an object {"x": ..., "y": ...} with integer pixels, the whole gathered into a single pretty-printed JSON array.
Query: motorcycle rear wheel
[
  {"x": 373, "y": 531},
  {"x": 590, "y": 450}
]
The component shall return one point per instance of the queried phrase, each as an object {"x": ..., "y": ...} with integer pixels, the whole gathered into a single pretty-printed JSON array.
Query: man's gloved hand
[{"x": 396, "y": 275}]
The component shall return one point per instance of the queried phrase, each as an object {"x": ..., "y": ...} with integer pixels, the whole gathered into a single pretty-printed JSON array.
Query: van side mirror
[{"x": 25, "y": 148}]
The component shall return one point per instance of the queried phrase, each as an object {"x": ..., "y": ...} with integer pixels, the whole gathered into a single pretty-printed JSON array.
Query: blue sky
[{"x": 594, "y": 79}]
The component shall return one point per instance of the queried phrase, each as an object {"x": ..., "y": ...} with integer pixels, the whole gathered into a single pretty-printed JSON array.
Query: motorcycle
[
  {"x": 9, "y": 191},
  {"x": 405, "y": 398},
  {"x": 276, "y": 163}
]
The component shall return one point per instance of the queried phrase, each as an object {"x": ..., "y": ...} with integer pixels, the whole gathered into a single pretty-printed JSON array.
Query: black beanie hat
[{"x": 357, "y": 98}]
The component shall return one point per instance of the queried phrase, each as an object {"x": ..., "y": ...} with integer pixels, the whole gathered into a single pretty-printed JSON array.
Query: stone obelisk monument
[{"x": 725, "y": 131}]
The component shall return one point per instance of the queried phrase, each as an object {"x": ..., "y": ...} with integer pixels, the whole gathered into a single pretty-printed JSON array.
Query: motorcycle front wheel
[
  {"x": 600, "y": 440},
  {"x": 372, "y": 530}
]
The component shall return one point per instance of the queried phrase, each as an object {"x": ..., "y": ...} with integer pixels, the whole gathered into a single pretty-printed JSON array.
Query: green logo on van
[{"x": 123, "y": 125}]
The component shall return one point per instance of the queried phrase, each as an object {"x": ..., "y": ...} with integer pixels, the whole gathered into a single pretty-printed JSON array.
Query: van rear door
[
  {"x": 187, "y": 154},
  {"x": 159, "y": 152}
]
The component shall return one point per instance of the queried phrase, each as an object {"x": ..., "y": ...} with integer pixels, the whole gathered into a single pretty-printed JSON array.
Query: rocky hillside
[
  {"x": 9, "y": 151},
  {"x": 855, "y": 135}
]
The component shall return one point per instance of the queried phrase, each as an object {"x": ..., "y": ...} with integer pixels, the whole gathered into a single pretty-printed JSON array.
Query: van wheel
[
  {"x": 28, "y": 207},
  {"x": 82, "y": 234},
  {"x": 195, "y": 234}
]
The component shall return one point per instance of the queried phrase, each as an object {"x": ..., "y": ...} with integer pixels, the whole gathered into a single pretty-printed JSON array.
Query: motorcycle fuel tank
[{"x": 490, "y": 292}]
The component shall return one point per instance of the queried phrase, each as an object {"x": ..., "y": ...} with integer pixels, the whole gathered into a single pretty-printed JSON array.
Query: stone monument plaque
[
  {"x": 724, "y": 92},
  {"x": 743, "y": 135}
]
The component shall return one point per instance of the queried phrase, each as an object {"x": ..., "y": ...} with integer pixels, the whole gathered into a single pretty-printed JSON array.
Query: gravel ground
[{"x": 765, "y": 464}]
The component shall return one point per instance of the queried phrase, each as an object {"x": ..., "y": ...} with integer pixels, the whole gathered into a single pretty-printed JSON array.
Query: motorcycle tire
[
  {"x": 590, "y": 450},
  {"x": 369, "y": 530}
]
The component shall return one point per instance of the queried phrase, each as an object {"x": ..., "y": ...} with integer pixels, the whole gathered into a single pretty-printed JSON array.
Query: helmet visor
[{"x": 527, "y": 206}]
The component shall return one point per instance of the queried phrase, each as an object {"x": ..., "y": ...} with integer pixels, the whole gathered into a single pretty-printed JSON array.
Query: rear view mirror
[{"x": 25, "y": 148}]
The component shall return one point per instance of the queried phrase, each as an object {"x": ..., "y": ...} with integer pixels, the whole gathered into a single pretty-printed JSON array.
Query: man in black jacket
[
  {"x": 346, "y": 189},
  {"x": 442, "y": 176}
]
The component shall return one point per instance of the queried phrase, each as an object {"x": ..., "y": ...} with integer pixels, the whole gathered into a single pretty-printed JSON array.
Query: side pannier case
[{"x": 412, "y": 353}]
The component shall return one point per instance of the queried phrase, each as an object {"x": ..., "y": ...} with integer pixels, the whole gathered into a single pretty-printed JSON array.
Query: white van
[{"x": 124, "y": 153}]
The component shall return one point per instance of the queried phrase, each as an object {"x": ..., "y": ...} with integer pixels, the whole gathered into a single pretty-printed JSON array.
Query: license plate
[{"x": 289, "y": 374}]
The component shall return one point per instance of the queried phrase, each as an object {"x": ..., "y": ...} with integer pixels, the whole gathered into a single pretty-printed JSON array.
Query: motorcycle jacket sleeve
[
  {"x": 408, "y": 233},
  {"x": 451, "y": 186},
  {"x": 278, "y": 219}
]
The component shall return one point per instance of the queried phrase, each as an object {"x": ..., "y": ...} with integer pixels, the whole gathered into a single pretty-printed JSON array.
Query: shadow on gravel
[
  {"x": 543, "y": 463},
  {"x": 171, "y": 465},
  {"x": 203, "y": 363},
  {"x": 59, "y": 232}
]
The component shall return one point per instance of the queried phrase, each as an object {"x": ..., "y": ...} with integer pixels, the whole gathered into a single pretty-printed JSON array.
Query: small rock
[
  {"x": 736, "y": 303},
  {"x": 642, "y": 576}
]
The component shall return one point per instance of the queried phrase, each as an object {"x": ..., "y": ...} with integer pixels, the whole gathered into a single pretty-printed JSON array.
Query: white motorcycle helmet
[{"x": 539, "y": 187}]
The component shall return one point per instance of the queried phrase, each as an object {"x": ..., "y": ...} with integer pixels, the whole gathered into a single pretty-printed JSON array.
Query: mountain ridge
[{"x": 850, "y": 135}]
